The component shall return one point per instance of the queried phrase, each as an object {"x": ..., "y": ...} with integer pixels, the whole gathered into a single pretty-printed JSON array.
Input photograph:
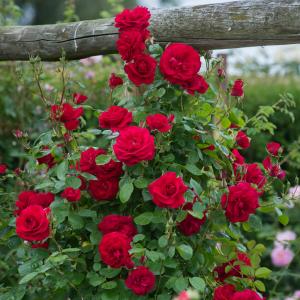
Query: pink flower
[
  {"x": 294, "y": 192},
  {"x": 285, "y": 237},
  {"x": 281, "y": 256}
]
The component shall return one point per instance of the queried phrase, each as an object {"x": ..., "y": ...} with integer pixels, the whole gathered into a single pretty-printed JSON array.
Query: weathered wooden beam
[{"x": 215, "y": 26}]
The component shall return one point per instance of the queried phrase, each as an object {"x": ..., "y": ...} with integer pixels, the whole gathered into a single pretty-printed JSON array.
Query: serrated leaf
[
  {"x": 126, "y": 190},
  {"x": 103, "y": 159},
  {"x": 263, "y": 272},
  {"x": 185, "y": 251},
  {"x": 144, "y": 218},
  {"x": 197, "y": 283},
  {"x": 73, "y": 181}
]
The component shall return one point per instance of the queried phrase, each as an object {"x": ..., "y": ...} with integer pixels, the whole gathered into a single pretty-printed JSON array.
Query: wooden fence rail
[{"x": 215, "y": 26}]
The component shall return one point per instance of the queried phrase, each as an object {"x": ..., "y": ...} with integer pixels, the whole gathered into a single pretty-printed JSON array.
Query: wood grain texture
[{"x": 215, "y": 26}]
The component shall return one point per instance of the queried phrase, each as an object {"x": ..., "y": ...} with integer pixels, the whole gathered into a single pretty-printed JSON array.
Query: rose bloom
[
  {"x": 27, "y": 198},
  {"x": 240, "y": 202},
  {"x": 281, "y": 256},
  {"x": 133, "y": 145},
  {"x": 180, "y": 63},
  {"x": 140, "y": 280},
  {"x": 67, "y": 115},
  {"x": 195, "y": 84},
  {"x": 115, "y": 118},
  {"x": 274, "y": 170},
  {"x": 114, "y": 81},
  {"x": 141, "y": 70},
  {"x": 190, "y": 225},
  {"x": 168, "y": 190},
  {"x": 32, "y": 224},
  {"x": 238, "y": 88},
  {"x": 130, "y": 43},
  {"x": 237, "y": 157},
  {"x": 254, "y": 175},
  {"x": 274, "y": 148},
  {"x": 242, "y": 140},
  {"x": 224, "y": 292},
  {"x": 3, "y": 169},
  {"x": 112, "y": 169},
  {"x": 137, "y": 18},
  {"x": 79, "y": 98},
  {"x": 159, "y": 122},
  {"x": 87, "y": 161},
  {"x": 47, "y": 159},
  {"x": 246, "y": 295},
  {"x": 71, "y": 194},
  {"x": 113, "y": 249},
  {"x": 104, "y": 190},
  {"x": 116, "y": 223},
  {"x": 235, "y": 271}
]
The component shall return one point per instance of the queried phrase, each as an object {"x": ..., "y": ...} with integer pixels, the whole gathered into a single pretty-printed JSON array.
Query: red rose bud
[
  {"x": 242, "y": 140},
  {"x": 71, "y": 194},
  {"x": 17, "y": 171},
  {"x": 224, "y": 292},
  {"x": 18, "y": 133},
  {"x": 238, "y": 88},
  {"x": 240, "y": 202},
  {"x": 79, "y": 98},
  {"x": 115, "y": 81},
  {"x": 274, "y": 148},
  {"x": 159, "y": 122},
  {"x": 141, "y": 70},
  {"x": 116, "y": 223},
  {"x": 3, "y": 169},
  {"x": 114, "y": 250},
  {"x": 140, "y": 280},
  {"x": 168, "y": 190},
  {"x": 115, "y": 118},
  {"x": 133, "y": 145},
  {"x": 195, "y": 84},
  {"x": 221, "y": 73},
  {"x": 32, "y": 224},
  {"x": 137, "y": 19},
  {"x": 180, "y": 64},
  {"x": 274, "y": 170},
  {"x": 210, "y": 148}
]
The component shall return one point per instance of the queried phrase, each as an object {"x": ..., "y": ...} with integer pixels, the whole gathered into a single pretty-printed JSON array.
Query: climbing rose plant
[{"x": 155, "y": 202}]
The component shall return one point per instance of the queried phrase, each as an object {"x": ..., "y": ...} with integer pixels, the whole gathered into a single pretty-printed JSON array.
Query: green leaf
[
  {"x": 109, "y": 285},
  {"x": 61, "y": 170},
  {"x": 197, "y": 283},
  {"x": 126, "y": 190},
  {"x": 73, "y": 181},
  {"x": 180, "y": 284},
  {"x": 196, "y": 186},
  {"x": 263, "y": 272},
  {"x": 260, "y": 285},
  {"x": 185, "y": 251},
  {"x": 141, "y": 182},
  {"x": 103, "y": 159},
  {"x": 193, "y": 169},
  {"x": 60, "y": 210},
  {"x": 84, "y": 212},
  {"x": 284, "y": 219},
  {"x": 255, "y": 223},
  {"x": 144, "y": 218},
  {"x": 28, "y": 277},
  {"x": 138, "y": 237},
  {"x": 76, "y": 221},
  {"x": 163, "y": 241}
]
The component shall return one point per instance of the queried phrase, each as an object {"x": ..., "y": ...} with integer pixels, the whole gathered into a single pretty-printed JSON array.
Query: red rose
[
  {"x": 140, "y": 280},
  {"x": 79, "y": 98},
  {"x": 115, "y": 118},
  {"x": 113, "y": 249},
  {"x": 67, "y": 115},
  {"x": 32, "y": 224},
  {"x": 238, "y": 158},
  {"x": 122, "y": 224},
  {"x": 246, "y": 295},
  {"x": 71, "y": 194},
  {"x": 210, "y": 148},
  {"x": 242, "y": 140},
  {"x": 115, "y": 81},
  {"x": 3, "y": 168},
  {"x": 190, "y": 225},
  {"x": 274, "y": 148},
  {"x": 237, "y": 89},
  {"x": 179, "y": 63},
  {"x": 274, "y": 170},
  {"x": 235, "y": 270},
  {"x": 83, "y": 183},
  {"x": 141, "y": 70},
  {"x": 27, "y": 198},
  {"x": 87, "y": 161},
  {"x": 224, "y": 292},
  {"x": 195, "y": 84},
  {"x": 254, "y": 175},
  {"x": 130, "y": 43},
  {"x": 159, "y": 122},
  {"x": 240, "y": 202},
  {"x": 137, "y": 18},
  {"x": 168, "y": 190},
  {"x": 103, "y": 190},
  {"x": 110, "y": 170},
  {"x": 133, "y": 145},
  {"x": 47, "y": 159}
]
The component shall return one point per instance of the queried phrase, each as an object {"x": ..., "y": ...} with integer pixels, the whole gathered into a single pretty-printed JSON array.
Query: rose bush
[{"x": 155, "y": 198}]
